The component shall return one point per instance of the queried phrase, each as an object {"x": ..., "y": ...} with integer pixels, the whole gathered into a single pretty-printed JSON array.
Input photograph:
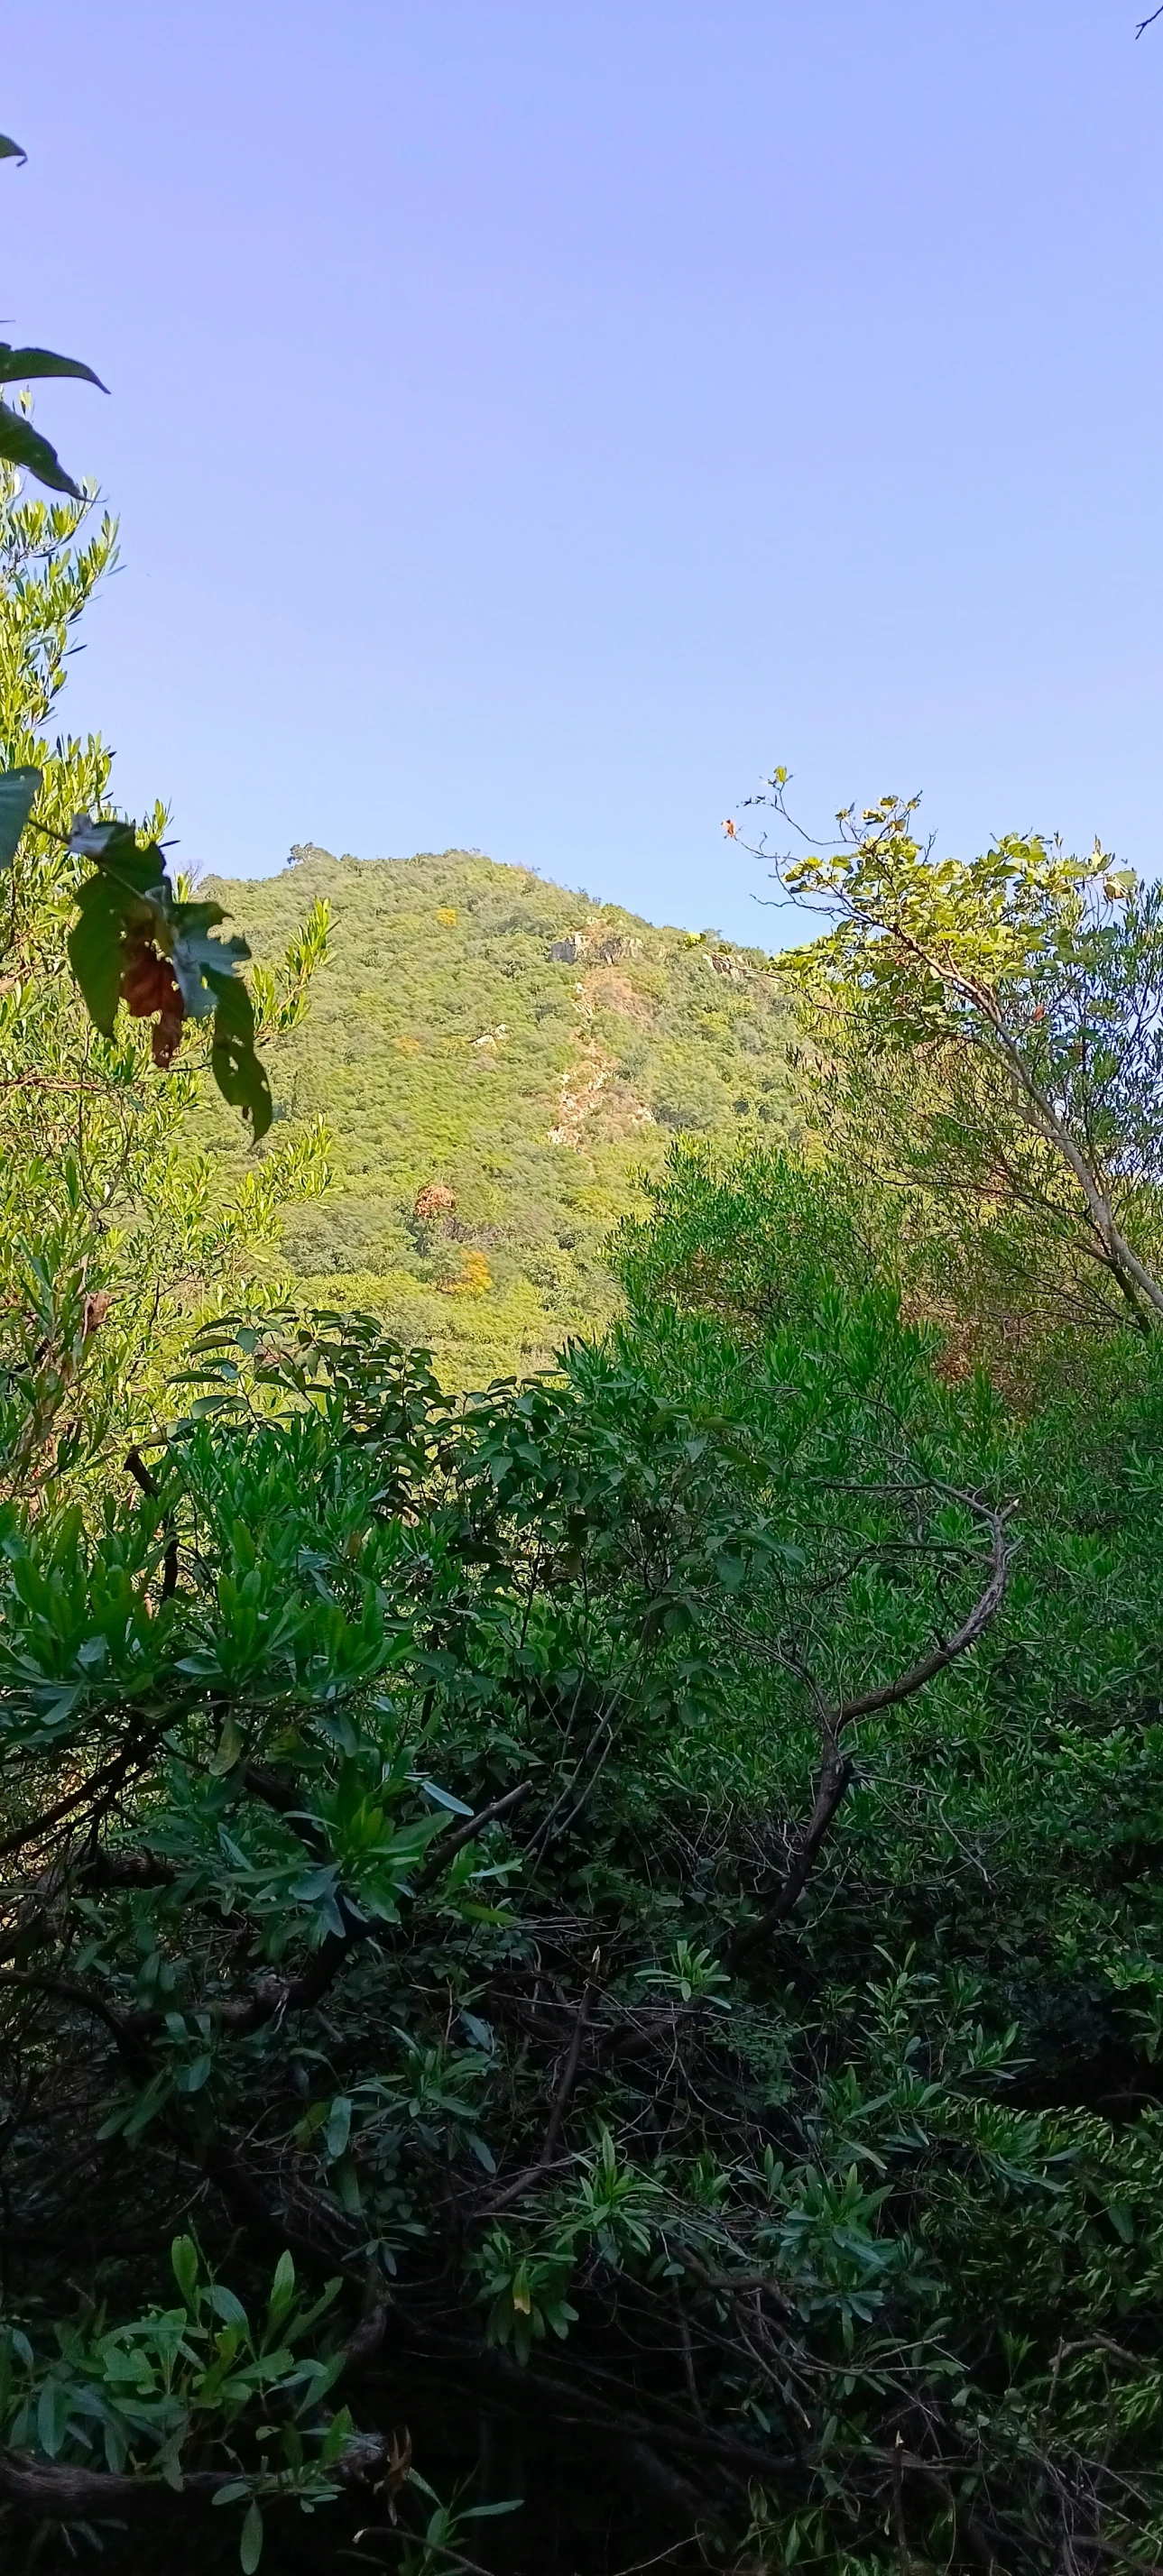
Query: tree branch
[
  {"x": 68, "y": 2494},
  {"x": 466, "y": 1833},
  {"x": 836, "y": 1767}
]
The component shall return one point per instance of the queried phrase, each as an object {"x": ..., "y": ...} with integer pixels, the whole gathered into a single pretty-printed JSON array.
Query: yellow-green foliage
[{"x": 447, "y": 1046}]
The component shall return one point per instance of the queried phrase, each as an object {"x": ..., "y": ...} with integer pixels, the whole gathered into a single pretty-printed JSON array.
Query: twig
[
  {"x": 143, "y": 1476},
  {"x": 467, "y": 1833},
  {"x": 569, "y": 2077}
]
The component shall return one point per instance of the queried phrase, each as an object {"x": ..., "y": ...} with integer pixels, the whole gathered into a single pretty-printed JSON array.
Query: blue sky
[{"x": 529, "y": 423}]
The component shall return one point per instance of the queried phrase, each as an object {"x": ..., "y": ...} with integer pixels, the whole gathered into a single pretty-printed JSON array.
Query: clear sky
[{"x": 533, "y": 419}]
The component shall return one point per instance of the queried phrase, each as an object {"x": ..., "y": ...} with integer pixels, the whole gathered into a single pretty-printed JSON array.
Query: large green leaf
[
  {"x": 17, "y": 790},
  {"x": 237, "y": 1070},
  {"x": 18, "y": 366},
  {"x": 203, "y": 963},
  {"x": 10, "y": 151},
  {"x": 21, "y": 444},
  {"x": 118, "y": 852},
  {"x": 96, "y": 952}
]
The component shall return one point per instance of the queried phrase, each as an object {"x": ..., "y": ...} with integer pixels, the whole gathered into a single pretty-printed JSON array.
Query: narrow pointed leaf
[
  {"x": 18, "y": 366},
  {"x": 184, "y": 2258},
  {"x": 250, "y": 2545}
]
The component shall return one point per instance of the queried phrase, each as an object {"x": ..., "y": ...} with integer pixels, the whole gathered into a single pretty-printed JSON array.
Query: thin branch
[
  {"x": 836, "y": 1768},
  {"x": 68, "y": 2494},
  {"x": 113, "y": 1778},
  {"x": 467, "y": 1833},
  {"x": 941, "y": 1655},
  {"x": 569, "y": 2077}
]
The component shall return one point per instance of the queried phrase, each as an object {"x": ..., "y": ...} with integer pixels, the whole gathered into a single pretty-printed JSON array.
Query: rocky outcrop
[{"x": 582, "y": 943}]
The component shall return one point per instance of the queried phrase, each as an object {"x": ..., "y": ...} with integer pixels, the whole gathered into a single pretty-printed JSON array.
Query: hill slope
[{"x": 497, "y": 1059}]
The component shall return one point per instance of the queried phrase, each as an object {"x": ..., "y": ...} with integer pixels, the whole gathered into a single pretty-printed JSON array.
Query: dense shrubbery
[{"x": 838, "y": 2221}]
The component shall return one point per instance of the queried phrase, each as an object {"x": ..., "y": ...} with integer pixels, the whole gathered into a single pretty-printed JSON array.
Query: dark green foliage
[
  {"x": 849, "y": 2233},
  {"x": 448, "y": 1045}
]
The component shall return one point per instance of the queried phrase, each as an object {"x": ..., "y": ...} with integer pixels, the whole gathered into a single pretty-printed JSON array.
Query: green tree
[
  {"x": 986, "y": 1036},
  {"x": 112, "y": 1223}
]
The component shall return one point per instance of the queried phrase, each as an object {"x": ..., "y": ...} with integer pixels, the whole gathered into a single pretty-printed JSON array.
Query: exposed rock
[{"x": 582, "y": 1085}]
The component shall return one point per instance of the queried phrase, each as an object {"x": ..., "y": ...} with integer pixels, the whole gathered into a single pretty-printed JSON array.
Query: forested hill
[{"x": 497, "y": 1058}]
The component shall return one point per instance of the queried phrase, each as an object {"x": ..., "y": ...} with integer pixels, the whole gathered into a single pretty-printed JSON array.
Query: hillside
[{"x": 497, "y": 1058}]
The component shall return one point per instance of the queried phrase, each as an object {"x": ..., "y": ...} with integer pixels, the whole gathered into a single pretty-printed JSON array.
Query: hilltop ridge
[{"x": 497, "y": 1059}]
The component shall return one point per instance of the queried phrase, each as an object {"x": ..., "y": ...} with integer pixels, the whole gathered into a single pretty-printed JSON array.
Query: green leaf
[
  {"x": 17, "y": 791},
  {"x": 226, "y": 2306},
  {"x": 10, "y": 151},
  {"x": 444, "y": 1798},
  {"x": 115, "y": 847},
  {"x": 346, "y": 2181},
  {"x": 250, "y": 2545},
  {"x": 241, "y": 1077},
  {"x": 184, "y": 2259},
  {"x": 282, "y": 2288},
  {"x": 205, "y": 966},
  {"x": 52, "y": 2417},
  {"x": 21, "y": 444},
  {"x": 17, "y": 366},
  {"x": 228, "y": 1751},
  {"x": 95, "y": 948},
  {"x": 338, "y": 2129}
]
